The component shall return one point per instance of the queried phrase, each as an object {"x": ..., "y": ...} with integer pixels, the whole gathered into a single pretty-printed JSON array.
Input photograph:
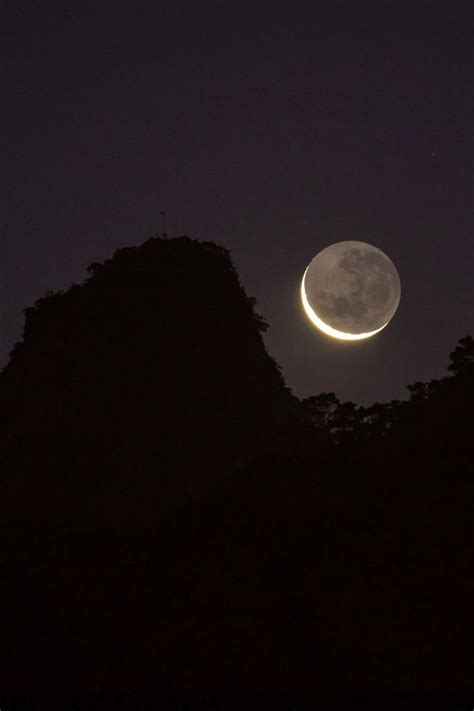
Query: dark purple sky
[{"x": 274, "y": 129}]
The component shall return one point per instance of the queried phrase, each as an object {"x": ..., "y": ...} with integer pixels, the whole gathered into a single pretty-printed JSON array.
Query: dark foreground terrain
[{"x": 177, "y": 526}]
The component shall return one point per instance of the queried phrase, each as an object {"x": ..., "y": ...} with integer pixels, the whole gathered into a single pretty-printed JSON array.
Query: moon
[{"x": 350, "y": 290}]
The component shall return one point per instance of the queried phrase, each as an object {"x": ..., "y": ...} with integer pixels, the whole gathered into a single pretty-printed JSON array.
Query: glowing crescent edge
[{"x": 328, "y": 329}]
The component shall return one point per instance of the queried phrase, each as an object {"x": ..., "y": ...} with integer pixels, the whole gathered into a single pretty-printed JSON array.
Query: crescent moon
[{"x": 328, "y": 329}]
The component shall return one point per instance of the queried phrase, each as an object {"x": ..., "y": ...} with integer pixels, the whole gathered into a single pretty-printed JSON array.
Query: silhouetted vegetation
[
  {"x": 127, "y": 385},
  {"x": 174, "y": 518}
]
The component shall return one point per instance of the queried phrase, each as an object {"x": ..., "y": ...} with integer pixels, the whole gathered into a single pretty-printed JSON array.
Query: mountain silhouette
[
  {"x": 133, "y": 388},
  {"x": 175, "y": 522}
]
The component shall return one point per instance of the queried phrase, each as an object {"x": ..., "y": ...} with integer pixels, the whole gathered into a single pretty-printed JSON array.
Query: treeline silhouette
[{"x": 175, "y": 521}]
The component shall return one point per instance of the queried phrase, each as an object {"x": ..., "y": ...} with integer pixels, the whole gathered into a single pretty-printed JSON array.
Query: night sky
[{"x": 274, "y": 129}]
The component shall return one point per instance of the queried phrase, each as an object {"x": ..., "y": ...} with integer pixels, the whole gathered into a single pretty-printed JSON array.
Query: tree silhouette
[
  {"x": 320, "y": 409},
  {"x": 462, "y": 358}
]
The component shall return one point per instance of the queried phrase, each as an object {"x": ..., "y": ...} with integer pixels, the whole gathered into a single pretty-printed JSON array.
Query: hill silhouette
[
  {"x": 126, "y": 386},
  {"x": 174, "y": 521}
]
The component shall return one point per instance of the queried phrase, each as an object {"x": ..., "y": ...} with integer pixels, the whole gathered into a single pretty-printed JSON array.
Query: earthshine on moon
[{"x": 350, "y": 290}]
